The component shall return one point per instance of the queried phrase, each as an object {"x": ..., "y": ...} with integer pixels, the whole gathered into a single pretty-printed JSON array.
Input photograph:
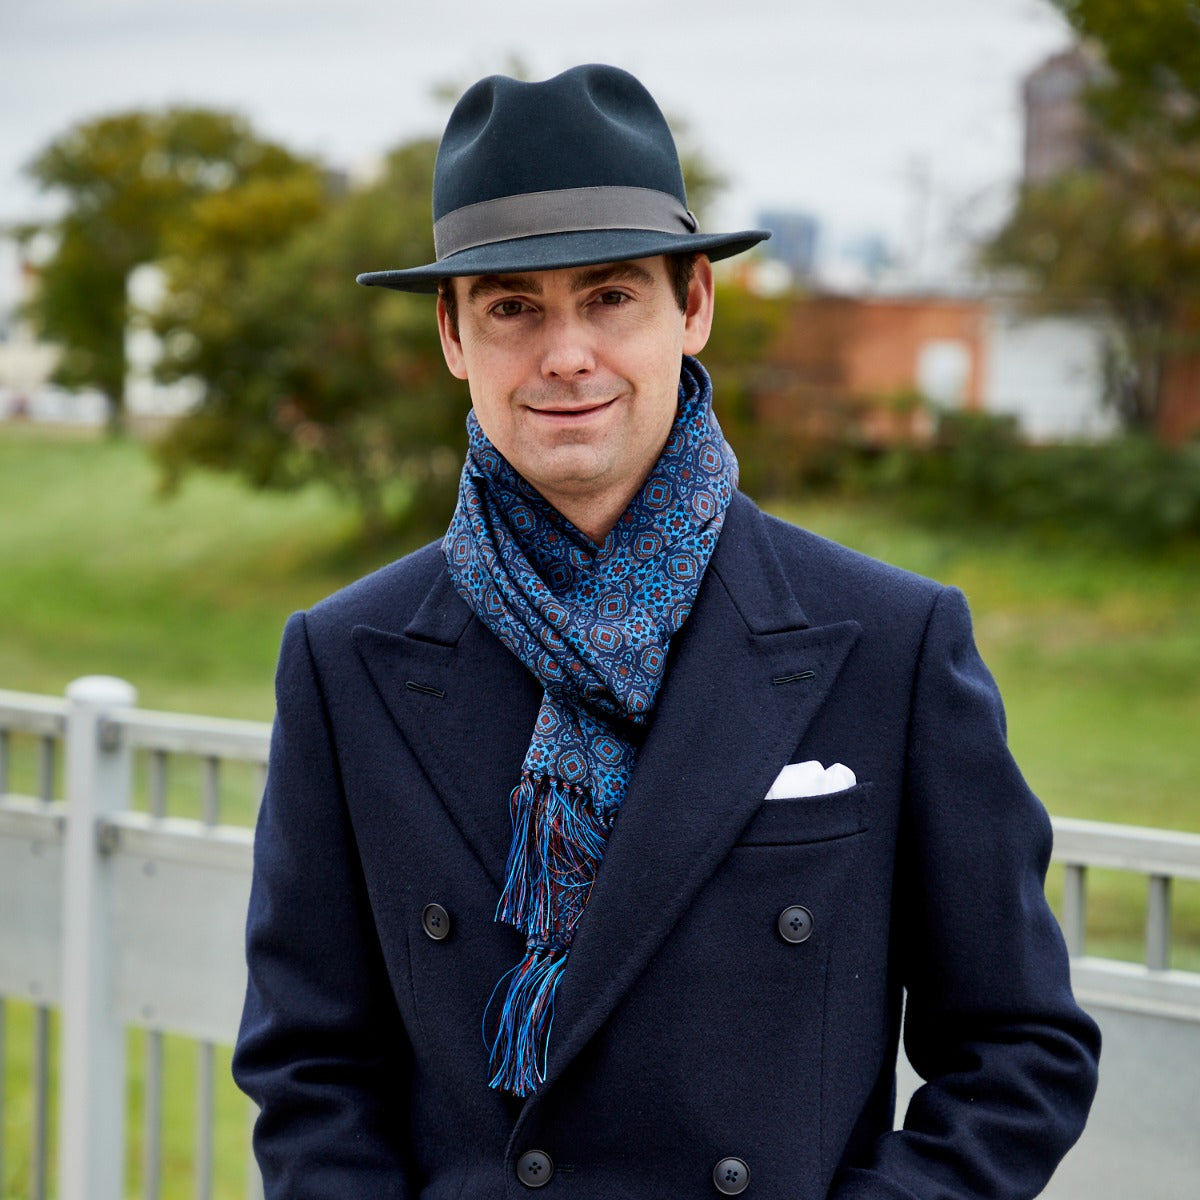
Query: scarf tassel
[
  {"x": 557, "y": 845},
  {"x": 558, "y": 842},
  {"x": 518, "y": 1056}
]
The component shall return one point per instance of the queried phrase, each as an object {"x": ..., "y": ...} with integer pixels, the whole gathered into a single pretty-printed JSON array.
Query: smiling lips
[{"x": 587, "y": 409}]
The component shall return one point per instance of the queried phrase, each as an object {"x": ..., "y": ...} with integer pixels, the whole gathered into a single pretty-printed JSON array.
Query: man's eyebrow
[
  {"x": 491, "y": 285},
  {"x": 621, "y": 272},
  {"x": 586, "y": 277}
]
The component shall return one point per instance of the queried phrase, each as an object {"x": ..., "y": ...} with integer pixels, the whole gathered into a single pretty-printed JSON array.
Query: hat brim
[{"x": 552, "y": 252}]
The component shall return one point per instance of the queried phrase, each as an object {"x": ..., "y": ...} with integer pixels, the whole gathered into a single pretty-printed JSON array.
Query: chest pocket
[{"x": 801, "y": 819}]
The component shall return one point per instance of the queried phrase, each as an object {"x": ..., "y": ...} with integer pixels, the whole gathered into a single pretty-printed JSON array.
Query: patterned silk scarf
[{"x": 592, "y": 624}]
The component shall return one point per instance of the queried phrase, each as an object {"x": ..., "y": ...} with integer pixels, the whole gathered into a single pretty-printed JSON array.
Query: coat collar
[{"x": 746, "y": 677}]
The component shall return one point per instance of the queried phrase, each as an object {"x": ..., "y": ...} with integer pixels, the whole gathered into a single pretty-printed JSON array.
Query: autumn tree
[
  {"x": 746, "y": 324},
  {"x": 125, "y": 180},
  {"x": 307, "y": 376},
  {"x": 1123, "y": 231}
]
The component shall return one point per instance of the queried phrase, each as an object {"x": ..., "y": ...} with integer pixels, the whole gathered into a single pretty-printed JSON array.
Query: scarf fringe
[
  {"x": 518, "y": 1053},
  {"x": 558, "y": 842}
]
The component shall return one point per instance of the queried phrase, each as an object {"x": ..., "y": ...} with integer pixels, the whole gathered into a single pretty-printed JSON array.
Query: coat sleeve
[
  {"x": 1008, "y": 1058},
  {"x": 321, "y": 1047}
]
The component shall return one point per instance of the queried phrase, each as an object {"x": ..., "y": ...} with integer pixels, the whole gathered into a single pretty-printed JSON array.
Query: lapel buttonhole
[
  {"x": 798, "y": 677},
  {"x": 424, "y": 688}
]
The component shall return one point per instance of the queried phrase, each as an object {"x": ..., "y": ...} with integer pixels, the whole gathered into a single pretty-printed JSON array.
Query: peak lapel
[
  {"x": 747, "y": 676},
  {"x": 452, "y": 688}
]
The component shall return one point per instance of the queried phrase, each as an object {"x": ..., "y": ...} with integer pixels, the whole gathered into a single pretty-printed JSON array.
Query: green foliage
[
  {"x": 1130, "y": 491},
  {"x": 308, "y": 376},
  {"x": 127, "y": 179},
  {"x": 745, "y": 325},
  {"x": 1123, "y": 232},
  {"x": 1152, "y": 55}
]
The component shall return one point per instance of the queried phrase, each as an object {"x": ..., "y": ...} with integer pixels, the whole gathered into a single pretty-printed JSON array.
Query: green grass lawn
[
  {"x": 185, "y": 597},
  {"x": 1097, "y": 653}
]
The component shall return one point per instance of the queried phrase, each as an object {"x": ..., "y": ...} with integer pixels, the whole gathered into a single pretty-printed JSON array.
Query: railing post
[
  {"x": 92, "y": 1082},
  {"x": 1074, "y": 922},
  {"x": 1158, "y": 922}
]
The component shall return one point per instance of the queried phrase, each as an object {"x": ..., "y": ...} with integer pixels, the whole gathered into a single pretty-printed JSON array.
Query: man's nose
[{"x": 567, "y": 351}]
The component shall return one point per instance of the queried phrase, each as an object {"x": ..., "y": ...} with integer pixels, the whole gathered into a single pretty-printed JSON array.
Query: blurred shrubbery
[{"x": 1131, "y": 490}]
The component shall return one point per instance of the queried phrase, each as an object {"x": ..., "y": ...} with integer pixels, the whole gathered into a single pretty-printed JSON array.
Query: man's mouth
[{"x": 574, "y": 411}]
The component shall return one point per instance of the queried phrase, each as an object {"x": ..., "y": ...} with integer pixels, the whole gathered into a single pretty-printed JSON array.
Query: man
[{"x": 602, "y": 840}]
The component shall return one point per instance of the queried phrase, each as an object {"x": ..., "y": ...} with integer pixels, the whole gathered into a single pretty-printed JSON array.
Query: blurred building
[
  {"x": 793, "y": 243},
  {"x": 26, "y": 363},
  {"x": 876, "y": 369},
  {"x": 1057, "y": 136},
  {"x": 863, "y": 368},
  {"x": 1047, "y": 372}
]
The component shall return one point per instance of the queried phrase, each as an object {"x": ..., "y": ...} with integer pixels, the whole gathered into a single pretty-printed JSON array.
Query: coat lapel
[
  {"x": 746, "y": 678},
  {"x": 747, "y": 675},
  {"x": 466, "y": 708}
]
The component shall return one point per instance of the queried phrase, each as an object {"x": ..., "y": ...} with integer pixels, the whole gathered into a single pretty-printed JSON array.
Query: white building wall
[{"x": 1049, "y": 373}]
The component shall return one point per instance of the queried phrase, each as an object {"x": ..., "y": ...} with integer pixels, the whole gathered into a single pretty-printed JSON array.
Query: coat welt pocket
[{"x": 802, "y": 819}]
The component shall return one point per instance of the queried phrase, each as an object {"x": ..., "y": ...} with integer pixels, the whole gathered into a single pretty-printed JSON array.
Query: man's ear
[
  {"x": 698, "y": 314},
  {"x": 451, "y": 344}
]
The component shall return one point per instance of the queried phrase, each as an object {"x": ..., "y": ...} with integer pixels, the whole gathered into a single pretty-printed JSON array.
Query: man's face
[{"x": 574, "y": 374}]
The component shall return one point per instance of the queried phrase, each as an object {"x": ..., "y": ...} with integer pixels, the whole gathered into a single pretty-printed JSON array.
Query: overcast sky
[{"x": 874, "y": 115}]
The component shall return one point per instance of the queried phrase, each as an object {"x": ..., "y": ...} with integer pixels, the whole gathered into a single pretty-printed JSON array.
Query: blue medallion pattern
[{"x": 593, "y": 624}]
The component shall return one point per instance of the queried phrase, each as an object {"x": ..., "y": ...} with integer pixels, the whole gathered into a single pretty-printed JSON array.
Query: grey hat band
[{"x": 566, "y": 210}]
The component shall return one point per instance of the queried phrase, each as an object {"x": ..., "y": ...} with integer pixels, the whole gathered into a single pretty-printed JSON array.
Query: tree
[
  {"x": 745, "y": 326},
  {"x": 1123, "y": 232},
  {"x": 306, "y": 375},
  {"x": 127, "y": 179}
]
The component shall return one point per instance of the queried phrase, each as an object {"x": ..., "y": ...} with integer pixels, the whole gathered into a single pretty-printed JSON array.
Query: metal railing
[
  {"x": 1162, "y": 856},
  {"x": 125, "y": 855},
  {"x": 120, "y": 918}
]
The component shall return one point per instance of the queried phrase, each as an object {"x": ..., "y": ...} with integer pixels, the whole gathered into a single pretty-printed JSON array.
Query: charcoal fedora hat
[{"x": 573, "y": 170}]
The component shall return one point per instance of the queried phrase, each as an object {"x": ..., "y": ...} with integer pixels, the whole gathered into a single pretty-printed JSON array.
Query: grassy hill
[{"x": 1097, "y": 652}]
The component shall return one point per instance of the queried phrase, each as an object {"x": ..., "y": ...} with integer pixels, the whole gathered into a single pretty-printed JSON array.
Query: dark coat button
[
  {"x": 795, "y": 924},
  {"x": 435, "y": 920},
  {"x": 534, "y": 1168},
  {"x": 731, "y": 1176}
]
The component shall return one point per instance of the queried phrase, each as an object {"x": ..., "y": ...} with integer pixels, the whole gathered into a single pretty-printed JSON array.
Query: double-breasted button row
[
  {"x": 795, "y": 924},
  {"x": 435, "y": 920},
  {"x": 534, "y": 1168},
  {"x": 731, "y": 1176}
]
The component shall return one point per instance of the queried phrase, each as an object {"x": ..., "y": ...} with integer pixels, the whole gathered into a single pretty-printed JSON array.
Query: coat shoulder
[
  {"x": 384, "y": 599},
  {"x": 834, "y": 582}
]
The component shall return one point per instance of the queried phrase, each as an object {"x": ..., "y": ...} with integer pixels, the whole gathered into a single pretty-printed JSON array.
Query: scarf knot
[{"x": 593, "y": 624}]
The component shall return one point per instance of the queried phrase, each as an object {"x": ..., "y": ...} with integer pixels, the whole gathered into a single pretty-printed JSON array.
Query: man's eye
[
  {"x": 613, "y": 298},
  {"x": 508, "y": 308}
]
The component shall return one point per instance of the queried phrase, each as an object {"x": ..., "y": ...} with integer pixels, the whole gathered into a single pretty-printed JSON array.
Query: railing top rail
[
  {"x": 180, "y": 733},
  {"x": 220, "y": 737},
  {"x": 1127, "y": 848},
  {"x": 1076, "y": 842},
  {"x": 26, "y": 712}
]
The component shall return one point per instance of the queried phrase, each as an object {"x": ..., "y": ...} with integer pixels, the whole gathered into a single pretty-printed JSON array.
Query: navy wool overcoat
[{"x": 688, "y": 1029}]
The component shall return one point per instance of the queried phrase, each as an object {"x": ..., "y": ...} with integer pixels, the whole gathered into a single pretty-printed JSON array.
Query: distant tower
[
  {"x": 793, "y": 240},
  {"x": 1057, "y": 137}
]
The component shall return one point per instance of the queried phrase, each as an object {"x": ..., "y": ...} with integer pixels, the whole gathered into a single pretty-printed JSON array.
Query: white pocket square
[{"x": 810, "y": 779}]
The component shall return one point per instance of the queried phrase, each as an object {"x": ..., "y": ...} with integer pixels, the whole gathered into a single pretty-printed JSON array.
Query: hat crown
[{"x": 591, "y": 126}]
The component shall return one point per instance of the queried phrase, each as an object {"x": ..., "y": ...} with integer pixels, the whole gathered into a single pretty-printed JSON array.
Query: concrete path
[{"x": 1143, "y": 1139}]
